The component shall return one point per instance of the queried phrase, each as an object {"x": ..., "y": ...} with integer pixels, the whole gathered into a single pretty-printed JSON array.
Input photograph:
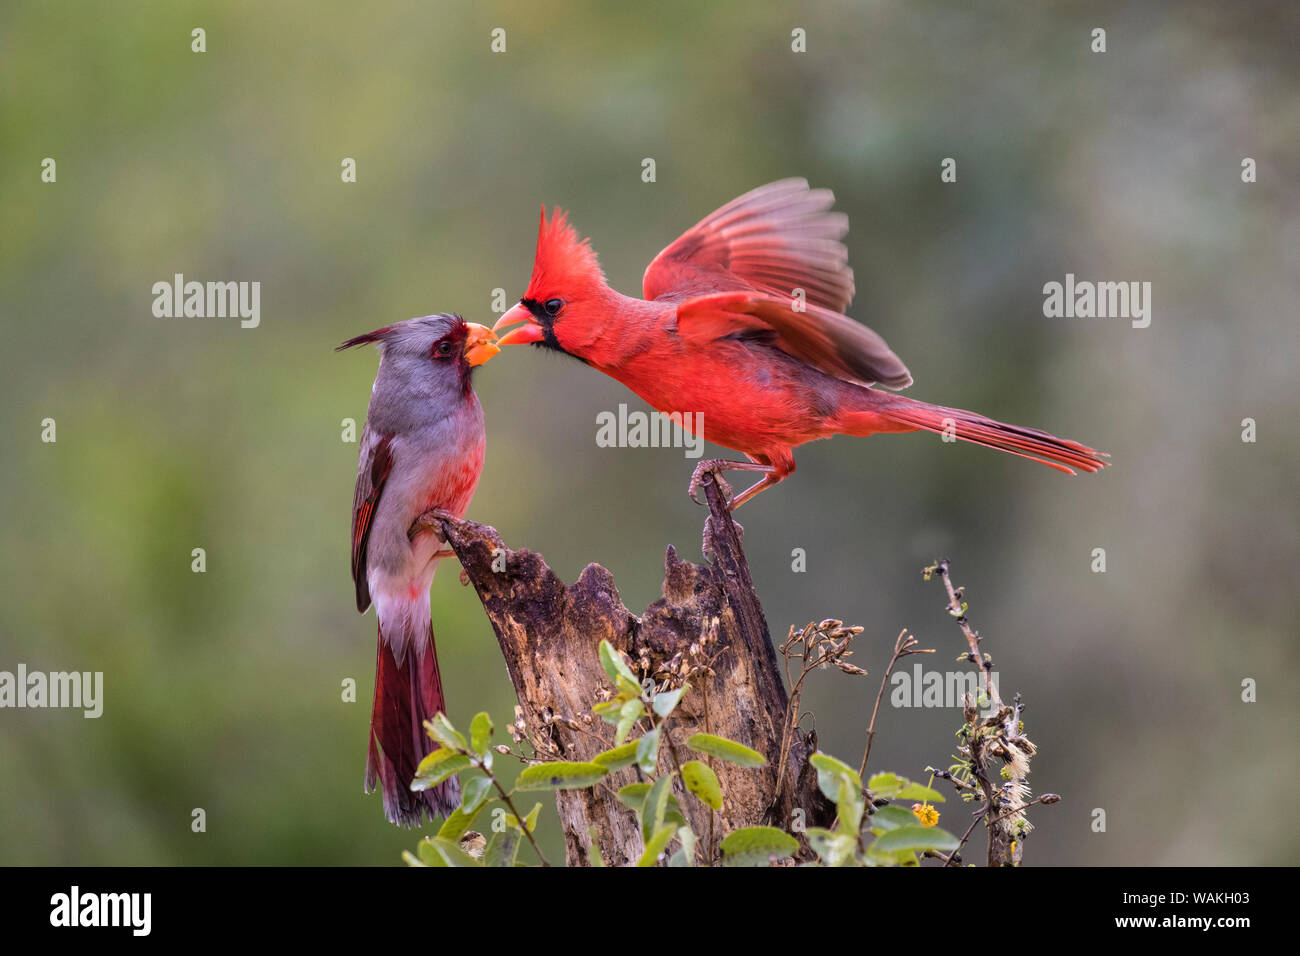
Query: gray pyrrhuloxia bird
[{"x": 422, "y": 448}]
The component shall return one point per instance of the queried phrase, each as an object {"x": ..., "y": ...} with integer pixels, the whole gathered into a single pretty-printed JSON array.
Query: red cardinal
[
  {"x": 422, "y": 448},
  {"x": 743, "y": 324}
]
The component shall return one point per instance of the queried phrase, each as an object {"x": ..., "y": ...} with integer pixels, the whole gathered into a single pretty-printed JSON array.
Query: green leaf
[
  {"x": 480, "y": 733},
  {"x": 410, "y": 859},
  {"x": 919, "y": 791},
  {"x": 609, "y": 709},
  {"x": 834, "y": 849},
  {"x": 885, "y": 784},
  {"x": 656, "y": 845},
  {"x": 441, "y": 730},
  {"x": 686, "y": 855},
  {"x": 617, "y": 758},
  {"x": 849, "y": 809},
  {"x": 666, "y": 703},
  {"x": 702, "y": 782},
  {"x": 916, "y": 838},
  {"x": 828, "y": 765},
  {"x": 628, "y": 715},
  {"x": 530, "y": 820},
  {"x": 655, "y": 805},
  {"x": 449, "y": 851},
  {"x": 503, "y": 848},
  {"x": 617, "y": 669},
  {"x": 633, "y": 795},
  {"x": 673, "y": 812},
  {"x": 432, "y": 772},
  {"x": 877, "y": 857},
  {"x": 891, "y": 818},
  {"x": 756, "y": 846},
  {"x": 431, "y": 761},
  {"x": 457, "y": 822},
  {"x": 647, "y": 751},
  {"x": 428, "y": 855},
  {"x": 841, "y": 783},
  {"x": 559, "y": 775},
  {"x": 473, "y": 793},
  {"x": 728, "y": 750}
]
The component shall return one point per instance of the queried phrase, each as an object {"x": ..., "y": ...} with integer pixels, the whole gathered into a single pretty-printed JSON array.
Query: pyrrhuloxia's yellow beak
[
  {"x": 530, "y": 331},
  {"x": 480, "y": 344}
]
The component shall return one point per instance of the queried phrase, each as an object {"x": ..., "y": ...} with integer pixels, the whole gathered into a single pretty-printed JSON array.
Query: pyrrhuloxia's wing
[
  {"x": 776, "y": 238},
  {"x": 376, "y": 461},
  {"x": 826, "y": 340}
]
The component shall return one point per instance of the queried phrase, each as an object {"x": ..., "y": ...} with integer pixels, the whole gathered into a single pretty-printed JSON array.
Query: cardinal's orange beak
[
  {"x": 480, "y": 344},
  {"x": 530, "y": 331}
]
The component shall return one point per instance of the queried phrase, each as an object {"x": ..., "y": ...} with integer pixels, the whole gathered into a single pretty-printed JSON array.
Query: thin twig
[
  {"x": 955, "y": 608},
  {"x": 523, "y": 824},
  {"x": 952, "y": 857},
  {"x": 829, "y": 642},
  {"x": 1045, "y": 799},
  {"x": 902, "y": 648},
  {"x": 704, "y": 693}
]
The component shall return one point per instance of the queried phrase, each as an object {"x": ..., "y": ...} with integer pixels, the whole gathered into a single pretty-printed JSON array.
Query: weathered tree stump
[{"x": 549, "y": 635}]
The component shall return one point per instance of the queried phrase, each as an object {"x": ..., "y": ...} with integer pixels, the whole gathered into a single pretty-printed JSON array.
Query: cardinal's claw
[{"x": 713, "y": 467}]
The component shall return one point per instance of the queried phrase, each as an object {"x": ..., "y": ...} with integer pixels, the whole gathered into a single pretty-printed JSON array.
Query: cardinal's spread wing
[
  {"x": 776, "y": 239},
  {"x": 376, "y": 462},
  {"x": 771, "y": 263},
  {"x": 826, "y": 340}
]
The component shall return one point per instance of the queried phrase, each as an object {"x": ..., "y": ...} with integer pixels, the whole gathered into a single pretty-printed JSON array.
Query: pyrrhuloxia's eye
[
  {"x": 444, "y": 348},
  {"x": 553, "y": 306}
]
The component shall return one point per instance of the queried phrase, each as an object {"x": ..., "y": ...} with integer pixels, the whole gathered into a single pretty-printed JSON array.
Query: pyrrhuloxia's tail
[
  {"x": 407, "y": 693},
  {"x": 894, "y": 413}
]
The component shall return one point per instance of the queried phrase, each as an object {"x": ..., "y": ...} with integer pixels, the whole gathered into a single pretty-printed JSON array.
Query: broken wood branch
[{"x": 549, "y": 634}]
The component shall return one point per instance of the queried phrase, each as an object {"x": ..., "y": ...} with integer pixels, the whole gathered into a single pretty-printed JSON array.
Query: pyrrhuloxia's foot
[
  {"x": 430, "y": 520},
  {"x": 448, "y": 553}
]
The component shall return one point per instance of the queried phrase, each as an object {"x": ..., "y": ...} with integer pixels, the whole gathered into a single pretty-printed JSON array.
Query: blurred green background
[{"x": 223, "y": 688}]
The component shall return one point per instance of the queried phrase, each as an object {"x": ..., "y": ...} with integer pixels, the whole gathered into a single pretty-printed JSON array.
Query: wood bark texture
[{"x": 549, "y": 634}]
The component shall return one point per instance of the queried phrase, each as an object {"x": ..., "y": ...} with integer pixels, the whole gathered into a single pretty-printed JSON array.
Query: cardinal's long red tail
[
  {"x": 406, "y": 695},
  {"x": 894, "y": 413}
]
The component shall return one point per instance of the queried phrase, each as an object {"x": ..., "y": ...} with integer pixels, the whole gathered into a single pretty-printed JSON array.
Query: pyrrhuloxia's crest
[{"x": 366, "y": 339}]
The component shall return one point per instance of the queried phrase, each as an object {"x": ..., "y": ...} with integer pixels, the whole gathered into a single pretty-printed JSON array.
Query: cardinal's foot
[{"x": 713, "y": 468}]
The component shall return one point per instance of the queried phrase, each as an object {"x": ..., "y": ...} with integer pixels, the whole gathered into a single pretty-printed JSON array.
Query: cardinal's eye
[
  {"x": 443, "y": 349},
  {"x": 553, "y": 306}
]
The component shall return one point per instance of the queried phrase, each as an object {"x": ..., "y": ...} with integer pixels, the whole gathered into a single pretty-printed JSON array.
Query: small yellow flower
[{"x": 927, "y": 814}]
